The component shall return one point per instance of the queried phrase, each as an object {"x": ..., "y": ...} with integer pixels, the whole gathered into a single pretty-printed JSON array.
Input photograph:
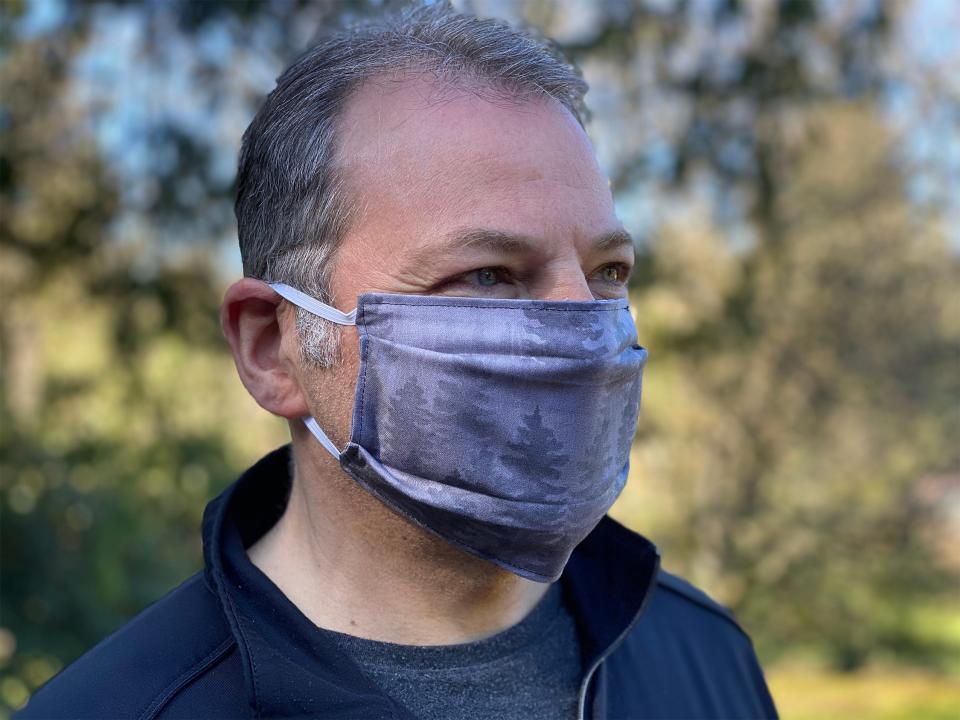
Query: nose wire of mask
[{"x": 312, "y": 305}]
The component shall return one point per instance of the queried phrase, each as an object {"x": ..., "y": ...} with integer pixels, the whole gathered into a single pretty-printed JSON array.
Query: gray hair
[{"x": 292, "y": 207}]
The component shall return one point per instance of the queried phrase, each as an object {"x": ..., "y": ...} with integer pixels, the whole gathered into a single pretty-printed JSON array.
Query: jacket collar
[{"x": 290, "y": 668}]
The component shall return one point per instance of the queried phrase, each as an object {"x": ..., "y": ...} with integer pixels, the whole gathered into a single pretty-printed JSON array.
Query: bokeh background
[{"x": 792, "y": 171}]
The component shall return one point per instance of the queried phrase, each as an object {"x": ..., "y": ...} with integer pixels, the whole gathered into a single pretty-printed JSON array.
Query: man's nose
[{"x": 570, "y": 284}]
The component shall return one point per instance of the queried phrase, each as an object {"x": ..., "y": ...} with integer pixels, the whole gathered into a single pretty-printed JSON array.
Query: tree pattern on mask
[
  {"x": 628, "y": 418},
  {"x": 402, "y": 433},
  {"x": 600, "y": 455},
  {"x": 609, "y": 446},
  {"x": 421, "y": 430},
  {"x": 523, "y": 458},
  {"x": 537, "y": 451},
  {"x": 547, "y": 326},
  {"x": 461, "y": 409},
  {"x": 401, "y": 441},
  {"x": 422, "y": 427}
]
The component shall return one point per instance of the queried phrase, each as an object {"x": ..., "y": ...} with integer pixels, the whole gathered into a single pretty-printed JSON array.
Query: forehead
[{"x": 420, "y": 159}]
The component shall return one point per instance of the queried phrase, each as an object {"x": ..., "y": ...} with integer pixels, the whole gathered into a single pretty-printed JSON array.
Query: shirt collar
[{"x": 292, "y": 670}]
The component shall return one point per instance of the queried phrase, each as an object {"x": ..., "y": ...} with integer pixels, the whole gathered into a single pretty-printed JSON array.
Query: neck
[{"x": 352, "y": 565}]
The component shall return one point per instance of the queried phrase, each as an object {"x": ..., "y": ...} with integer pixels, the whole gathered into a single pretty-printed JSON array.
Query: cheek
[{"x": 331, "y": 390}]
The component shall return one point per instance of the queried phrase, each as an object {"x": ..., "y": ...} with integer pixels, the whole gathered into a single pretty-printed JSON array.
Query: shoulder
[
  {"x": 678, "y": 612},
  {"x": 678, "y": 596},
  {"x": 144, "y": 668},
  {"x": 689, "y": 656}
]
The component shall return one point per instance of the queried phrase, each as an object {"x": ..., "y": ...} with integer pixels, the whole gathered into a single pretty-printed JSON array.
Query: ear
[{"x": 263, "y": 339}]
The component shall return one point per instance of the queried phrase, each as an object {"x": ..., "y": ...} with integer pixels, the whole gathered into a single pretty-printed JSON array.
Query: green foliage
[
  {"x": 121, "y": 414},
  {"x": 797, "y": 439},
  {"x": 797, "y": 392}
]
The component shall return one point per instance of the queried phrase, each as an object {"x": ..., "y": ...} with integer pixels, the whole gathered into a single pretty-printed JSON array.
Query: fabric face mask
[{"x": 502, "y": 426}]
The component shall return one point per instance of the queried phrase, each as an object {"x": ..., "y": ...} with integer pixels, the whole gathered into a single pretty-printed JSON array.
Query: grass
[{"x": 804, "y": 693}]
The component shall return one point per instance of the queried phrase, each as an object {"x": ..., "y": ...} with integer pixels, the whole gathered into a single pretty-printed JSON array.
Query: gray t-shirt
[{"x": 529, "y": 671}]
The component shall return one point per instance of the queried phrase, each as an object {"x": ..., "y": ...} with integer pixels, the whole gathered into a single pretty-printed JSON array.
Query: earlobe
[{"x": 260, "y": 341}]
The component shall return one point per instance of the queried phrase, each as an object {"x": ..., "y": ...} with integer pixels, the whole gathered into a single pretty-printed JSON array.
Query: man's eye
[
  {"x": 482, "y": 280},
  {"x": 614, "y": 273},
  {"x": 487, "y": 277}
]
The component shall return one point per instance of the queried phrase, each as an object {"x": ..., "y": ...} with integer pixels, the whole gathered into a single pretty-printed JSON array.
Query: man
[{"x": 433, "y": 542}]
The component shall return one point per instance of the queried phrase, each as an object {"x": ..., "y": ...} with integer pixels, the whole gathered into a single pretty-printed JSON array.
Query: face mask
[{"x": 503, "y": 426}]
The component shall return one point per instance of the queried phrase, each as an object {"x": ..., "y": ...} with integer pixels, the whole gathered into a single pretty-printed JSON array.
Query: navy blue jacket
[{"x": 228, "y": 644}]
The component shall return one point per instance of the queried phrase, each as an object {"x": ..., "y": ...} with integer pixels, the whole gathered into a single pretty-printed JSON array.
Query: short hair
[{"x": 292, "y": 206}]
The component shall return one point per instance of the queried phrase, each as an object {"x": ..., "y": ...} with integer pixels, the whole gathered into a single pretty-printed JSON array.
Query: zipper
[{"x": 581, "y": 704}]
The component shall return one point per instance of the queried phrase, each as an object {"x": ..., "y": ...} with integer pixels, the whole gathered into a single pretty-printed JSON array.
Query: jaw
[{"x": 353, "y": 565}]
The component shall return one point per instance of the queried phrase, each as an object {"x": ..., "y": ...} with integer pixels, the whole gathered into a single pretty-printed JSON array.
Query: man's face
[{"x": 470, "y": 196}]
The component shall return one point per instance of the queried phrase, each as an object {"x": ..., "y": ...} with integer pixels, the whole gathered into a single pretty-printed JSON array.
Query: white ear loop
[
  {"x": 314, "y": 306},
  {"x": 320, "y": 435}
]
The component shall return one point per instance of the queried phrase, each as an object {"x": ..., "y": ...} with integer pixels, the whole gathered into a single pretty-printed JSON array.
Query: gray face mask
[{"x": 503, "y": 426}]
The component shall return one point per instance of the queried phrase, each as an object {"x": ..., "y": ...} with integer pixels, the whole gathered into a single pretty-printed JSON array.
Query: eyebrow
[
  {"x": 509, "y": 243},
  {"x": 614, "y": 240}
]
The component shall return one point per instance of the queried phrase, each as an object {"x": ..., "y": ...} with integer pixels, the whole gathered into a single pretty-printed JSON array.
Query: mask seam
[
  {"x": 544, "y": 505},
  {"x": 363, "y": 379},
  {"x": 387, "y": 500},
  {"x": 635, "y": 347}
]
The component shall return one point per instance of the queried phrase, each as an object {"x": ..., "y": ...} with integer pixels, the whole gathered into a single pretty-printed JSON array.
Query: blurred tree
[
  {"x": 800, "y": 327},
  {"x": 799, "y": 391},
  {"x": 113, "y": 382},
  {"x": 804, "y": 330}
]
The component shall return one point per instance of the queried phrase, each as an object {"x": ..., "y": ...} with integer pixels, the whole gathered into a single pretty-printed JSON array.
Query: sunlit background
[{"x": 792, "y": 172}]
